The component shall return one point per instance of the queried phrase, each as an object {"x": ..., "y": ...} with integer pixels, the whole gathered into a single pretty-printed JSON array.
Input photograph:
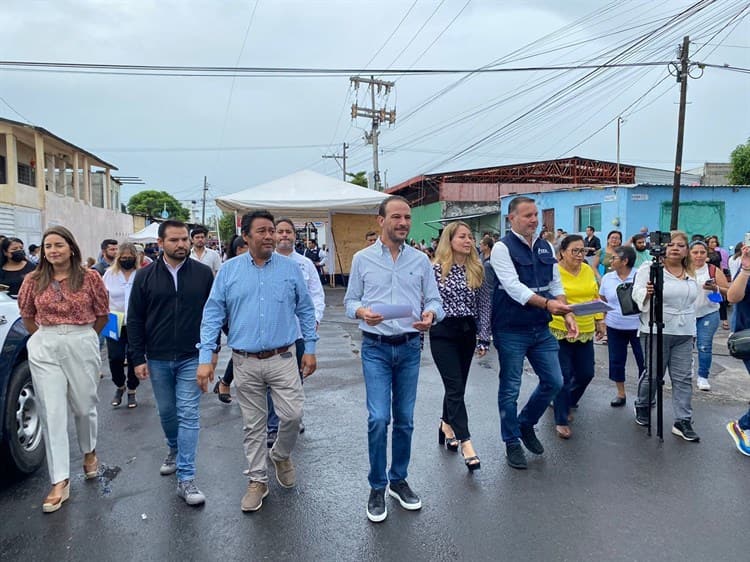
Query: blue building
[{"x": 721, "y": 210}]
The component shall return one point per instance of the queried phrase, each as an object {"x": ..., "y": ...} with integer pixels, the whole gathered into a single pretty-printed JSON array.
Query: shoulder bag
[{"x": 739, "y": 344}]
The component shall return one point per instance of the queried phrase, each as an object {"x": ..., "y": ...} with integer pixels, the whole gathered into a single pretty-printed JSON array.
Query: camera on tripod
[{"x": 658, "y": 241}]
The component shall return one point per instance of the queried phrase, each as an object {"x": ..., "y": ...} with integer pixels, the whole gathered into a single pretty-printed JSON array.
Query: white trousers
[{"x": 65, "y": 362}]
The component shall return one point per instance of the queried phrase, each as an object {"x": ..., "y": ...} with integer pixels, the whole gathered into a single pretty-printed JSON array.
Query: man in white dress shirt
[{"x": 199, "y": 252}]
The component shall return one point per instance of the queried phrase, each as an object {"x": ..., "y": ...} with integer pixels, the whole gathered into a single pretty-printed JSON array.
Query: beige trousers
[
  {"x": 251, "y": 377},
  {"x": 65, "y": 362}
]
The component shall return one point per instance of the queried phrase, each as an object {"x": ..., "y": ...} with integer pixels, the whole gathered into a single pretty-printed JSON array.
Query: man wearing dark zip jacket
[{"x": 164, "y": 318}]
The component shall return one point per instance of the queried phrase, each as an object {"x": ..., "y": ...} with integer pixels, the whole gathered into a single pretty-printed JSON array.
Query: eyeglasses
[{"x": 577, "y": 251}]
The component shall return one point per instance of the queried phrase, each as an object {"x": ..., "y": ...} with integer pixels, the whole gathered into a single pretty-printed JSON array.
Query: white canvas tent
[
  {"x": 147, "y": 235},
  {"x": 307, "y": 196}
]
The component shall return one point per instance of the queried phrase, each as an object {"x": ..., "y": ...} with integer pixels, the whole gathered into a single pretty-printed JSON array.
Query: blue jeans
[
  {"x": 391, "y": 374},
  {"x": 577, "y": 365},
  {"x": 272, "y": 425},
  {"x": 178, "y": 399},
  {"x": 541, "y": 348},
  {"x": 706, "y": 327},
  {"x": 744, "y": 421},
  {"x": 617, "y": 347}
]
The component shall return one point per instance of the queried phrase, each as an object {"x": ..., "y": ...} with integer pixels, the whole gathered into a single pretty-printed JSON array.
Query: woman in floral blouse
[
  {"x": 64, "y": 307},
  {"x": 466, "y": 328}
]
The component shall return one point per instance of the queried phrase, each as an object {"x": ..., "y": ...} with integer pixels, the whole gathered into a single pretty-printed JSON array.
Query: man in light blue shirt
[
  {"x": 390, "y": 272},
  {"x": 262, "y": 294}
]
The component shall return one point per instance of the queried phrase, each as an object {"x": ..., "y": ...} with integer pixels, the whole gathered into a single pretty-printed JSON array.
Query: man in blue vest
[{"x": 527, "y": 293}]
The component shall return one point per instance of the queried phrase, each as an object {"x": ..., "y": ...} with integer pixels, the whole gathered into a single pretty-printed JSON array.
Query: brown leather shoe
[
  {"x": 253, "y": 498},
  {"x": 91, "y": 469},
  {"x": 56, "y": 497},
  {"x": 285, "y": 473}
]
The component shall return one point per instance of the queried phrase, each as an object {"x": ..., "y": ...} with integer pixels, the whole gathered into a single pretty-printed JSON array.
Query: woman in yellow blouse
[{"x": 576, "y": 356}]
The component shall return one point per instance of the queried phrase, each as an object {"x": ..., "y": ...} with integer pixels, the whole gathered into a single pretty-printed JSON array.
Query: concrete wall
[{"x": 90, "y": 225}]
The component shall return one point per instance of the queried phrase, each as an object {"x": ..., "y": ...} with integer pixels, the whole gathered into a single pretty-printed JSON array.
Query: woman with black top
[
  {"x": 466, "y": 328},
  {"x": 15, "y": 265}
]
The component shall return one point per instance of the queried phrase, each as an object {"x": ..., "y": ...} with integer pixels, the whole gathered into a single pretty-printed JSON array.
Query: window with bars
[{"x": 26, "y": 175}]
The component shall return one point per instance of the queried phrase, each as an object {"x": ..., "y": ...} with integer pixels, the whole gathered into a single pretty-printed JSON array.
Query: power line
[
  {"x": 284, "y": 72},
  {"x": 207, "y": 148}
]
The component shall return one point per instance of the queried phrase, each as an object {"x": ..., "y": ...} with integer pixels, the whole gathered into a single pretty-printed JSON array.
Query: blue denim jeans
[
  {"x": 178, "y": 399},
  {"x": 706, "y": 327},
  {"x": 272, "y": 425},
  {"x": 744, "y": 421},
  {"x": 577, "y": 365},
  {"x": 541, "y": 348},
  {"x": 391, "y": 374}
]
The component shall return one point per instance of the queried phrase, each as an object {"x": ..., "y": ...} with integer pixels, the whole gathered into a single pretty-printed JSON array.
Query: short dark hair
[
  {"x": 611, "y": 232},
  {"x": 248, "y": 218},
  {"x": 170, "y": 224},
  {"x": 33, "y": 248},
  {"x": 516, "y": 201},
  {"x": 199, "y": 230},
  {"x": 487, "y": 241},
  {"x": 370, "y": 233},
  {"x": 626, "y": 253},
  {"x": 591, "y": 227},
  {"x": 108, "y": 242},
  {"x": 289, "y": 222},
  {"x": 384, "y": 203},
  {"x": 636, "y": 237},
  {"x": 568, "y": 240}
]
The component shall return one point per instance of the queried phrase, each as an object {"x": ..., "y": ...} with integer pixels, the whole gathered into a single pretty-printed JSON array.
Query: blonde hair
[
  {"x": 125, "y": 247},
  {"x": 445, "y": 259},
  {"x": 687, "y": 261}
]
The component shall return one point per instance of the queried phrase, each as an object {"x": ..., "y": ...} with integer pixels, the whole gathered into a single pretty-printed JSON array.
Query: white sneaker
[{"x": 702, "y": 384}]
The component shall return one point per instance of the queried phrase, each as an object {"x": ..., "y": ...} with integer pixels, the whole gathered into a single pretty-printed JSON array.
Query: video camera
[{"x": 658, "y": 241}]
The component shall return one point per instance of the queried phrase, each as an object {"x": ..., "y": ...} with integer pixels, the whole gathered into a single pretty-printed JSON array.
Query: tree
[
  {"x": 360, "y": 179},
  {"x": 226, "y": 227},
  {"x": 152, "y": 203},
  {"x": 740, "y": 159}
]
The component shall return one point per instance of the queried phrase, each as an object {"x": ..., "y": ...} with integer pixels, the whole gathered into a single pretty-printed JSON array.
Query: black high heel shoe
[
  {"x": 472, "y": 463},
  {"x": 451, "y": 443}
]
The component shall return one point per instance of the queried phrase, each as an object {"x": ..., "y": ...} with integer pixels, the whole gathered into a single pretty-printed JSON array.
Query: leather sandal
[
  {"x": 225, "y": 397},
  {"x": 563, "y": 431},
  {"x": 117, "y": 398},
  {"x": 91, "y": 469},
  {"x": 132, "y": 403},
  {"x": 54, "y": 502}
]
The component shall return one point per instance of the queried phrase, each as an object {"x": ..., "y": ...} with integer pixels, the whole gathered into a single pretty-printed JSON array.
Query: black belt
[
  {"x": 392, "y": 340},
  {"x": 262, "y": 354}
]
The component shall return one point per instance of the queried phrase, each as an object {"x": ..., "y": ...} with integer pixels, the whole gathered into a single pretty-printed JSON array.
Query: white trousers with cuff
[{"x": 65, "y": 362}]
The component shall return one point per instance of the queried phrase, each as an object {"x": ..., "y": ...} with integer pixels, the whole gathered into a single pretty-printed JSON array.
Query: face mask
[
  {"x": 18, "y": 256},
  {"x": 127, "y": 263}
]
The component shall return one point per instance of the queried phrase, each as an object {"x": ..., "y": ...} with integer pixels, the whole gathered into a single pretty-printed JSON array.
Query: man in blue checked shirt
[
  {"x": 391, "y": 272},
  {"x": 261, "y": 294}
]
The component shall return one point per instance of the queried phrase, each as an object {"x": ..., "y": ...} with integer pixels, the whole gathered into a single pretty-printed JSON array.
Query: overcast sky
[{"x": 209, "y": 126}]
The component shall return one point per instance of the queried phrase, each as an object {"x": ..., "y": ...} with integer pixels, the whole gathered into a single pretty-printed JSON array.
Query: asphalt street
[{"x": 609, "y": 493}]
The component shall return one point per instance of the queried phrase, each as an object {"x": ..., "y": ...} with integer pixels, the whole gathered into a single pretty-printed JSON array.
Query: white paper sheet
[
  {"x": 391, "y": 311},
  {"x": 591, "y": 307}
]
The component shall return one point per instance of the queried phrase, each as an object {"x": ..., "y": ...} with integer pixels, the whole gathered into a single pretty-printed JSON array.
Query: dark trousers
[
  {"x": 723, "y": 310},
  {"x": 228, "y": 373},
  {"x": 118, "y": 351},
  {"x": 577, "y": 365},
  {"x": 617, "y": 346},
  {"x": 273, "y": 419},
  {"x": 452, "y": 343}
]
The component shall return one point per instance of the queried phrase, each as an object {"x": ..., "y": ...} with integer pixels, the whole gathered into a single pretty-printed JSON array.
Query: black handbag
[
  {"x": 739, "y": 344},
  {"x": 625, "y": 297}
]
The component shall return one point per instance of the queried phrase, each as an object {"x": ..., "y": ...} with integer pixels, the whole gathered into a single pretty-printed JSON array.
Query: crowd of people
[{"x": 166, "y": 313}]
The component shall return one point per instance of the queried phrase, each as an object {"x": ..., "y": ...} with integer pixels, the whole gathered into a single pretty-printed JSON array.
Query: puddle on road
[{"x": 106, "y": 475}]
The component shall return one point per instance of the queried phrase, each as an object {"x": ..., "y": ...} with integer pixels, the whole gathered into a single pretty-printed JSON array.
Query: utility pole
[
  {"x": 205, "y": 189},
  {"x": 619, "y": 122},
  {"x": 682, "y": 79},
  {"x": 378, "y": 116},
  {"x": 342, "y": 156}
]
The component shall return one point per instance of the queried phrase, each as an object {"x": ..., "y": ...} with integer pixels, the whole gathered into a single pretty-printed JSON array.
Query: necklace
[{"x": 682, "y": 271}]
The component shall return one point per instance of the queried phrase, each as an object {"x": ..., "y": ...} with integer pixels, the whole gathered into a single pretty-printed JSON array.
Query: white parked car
[{"x": 21, "y": 441}]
